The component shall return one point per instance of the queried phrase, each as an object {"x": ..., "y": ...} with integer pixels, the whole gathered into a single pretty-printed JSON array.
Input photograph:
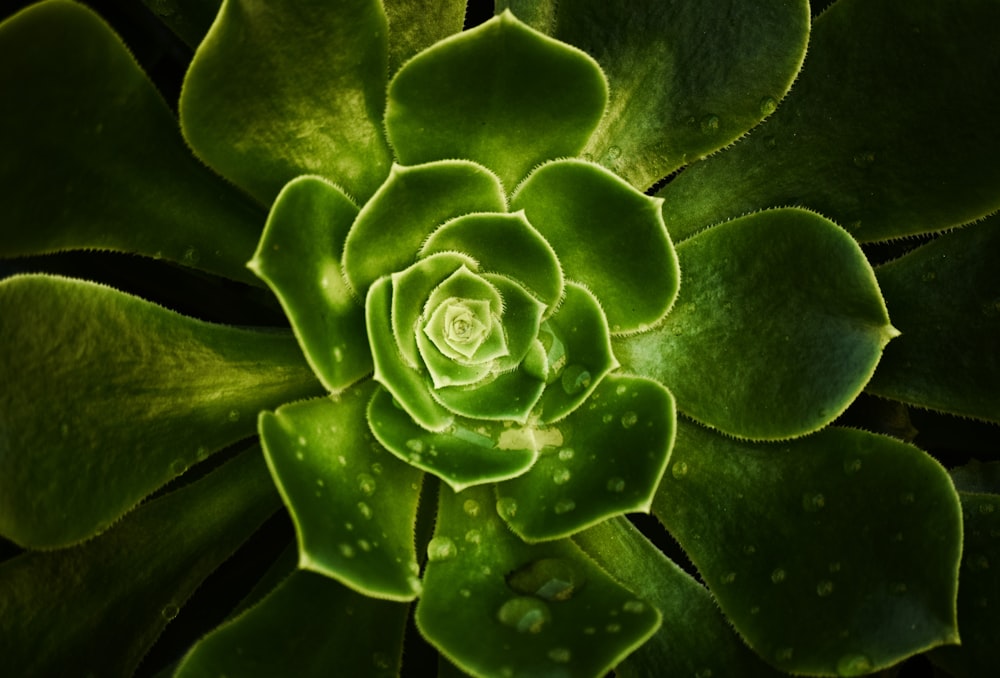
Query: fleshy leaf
[
  {"x": 508, "y": 396},
  {"x": 284, "y": 88},
  {"x": 466, "y": 453},
  {"x": 873, "y": 114},
  {"x": 407, "y": 208},
  {"x": 354, "y": 505},
  {"x": 608, "y": 236},
  {"x": 695, "y": 638},
  {"x": 500, "y": 94},
  {"x": 299, "y": 258},
  {"x": 505, "y": 244},
  {"x": 945, "y": 299},
  {"x": 308, "y": 626},
  {"x": 778, "y": 326},
  {"x": 94, "y": 379},
  {"x": 522, "y": 316},
  {"x": 578, "y": 353},
  {"x": 832, "y": 554},
  {"x": 115, "y": 175},
  {"x": 613, "y": 455},
  {"x": 685, "y": 78},
  {"x": 413, "y": 28},
  {"x": 496, "y": 606},
  {"x": 61, "y": 611}
]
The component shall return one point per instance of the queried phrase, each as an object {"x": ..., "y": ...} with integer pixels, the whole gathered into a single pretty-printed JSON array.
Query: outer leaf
[
  {"x": 94, "y": 379},
  {"x": 466, "y": 453},
  {"x": 494, "y": 605},
  {"x": 415, "y": 25},
  {"x": 92, "y": 157},
  {"x": 893, "y": 92},
  {"x": 836, "y": 553},
  {"x": 500, "y": 94},
  {"x": 299, "y": 258},
  {"x": 284, "y": 88},
  {"x": 408, "y": 207},
  {"x": 308, "y": 626},
  {"x": 945, "y": 298},
  {"x": 686, "y": 78},
  {"x": 62, "y": 611},
  {"x": 778, "y": 326},
  {"x": 608, "y": 236},
  {"x": 695, "y": 638},
  {"x": 613, "y": 454},
  {"x": 354, "y": 505}
]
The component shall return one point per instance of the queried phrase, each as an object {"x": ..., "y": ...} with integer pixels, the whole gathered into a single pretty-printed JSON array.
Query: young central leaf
[{"x": 460, "y": 325}]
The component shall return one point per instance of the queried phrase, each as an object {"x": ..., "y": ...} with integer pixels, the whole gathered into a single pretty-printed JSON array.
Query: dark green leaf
[
  {"x": 945, "y": 299},
  {"x": 889, "y": 130},
  {"x": 95, "y": 609},
  {"x": 95, "y": 379},
  {"x": 415, "y": 25},
  {"x": 778, "y": 326},
  {"x": 284, "y": 88},
  {"x": 496, "y": 606},
  {"x": 354, "y": 505},
  {"x": 92, "y": 158},
  {"x": 500, "y": 94},
  {"x": 834, "y": 553}
]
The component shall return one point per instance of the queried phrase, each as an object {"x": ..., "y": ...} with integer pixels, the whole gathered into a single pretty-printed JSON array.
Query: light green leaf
[
  {"x": 407, "y": 208},
  {"x": 500, "y": 94},
  {"x": 778, "y": 326},
  {"x": 95, "y": 379},
  {"x": 945, "y": 299},
  {"x": 874, "y": 113},
  {"x": 695, "y": 638},
  {"x": 833, "y": 554},
  {"x": 188, "y": 19},
  {"x": 521, "y": 319},
  {"x": 415, "y": 25},
  {"x": 284, "y": 88},
  {"x": 686, "y": 78},
  {"x": 63, "y": 610},
  {"x": 299, "y": 258},
  {"x": 611, "y": 459},
  {"x": 92, "y": 158},
  {"x": 510, "y": 396},
  {"x": 353, "y": 504},
  {"x": 496, "y": 606},
  {"x": 309, "y": 626},
  {"x": 608, "y": 236},
  {"x": 466, "y": 453}
]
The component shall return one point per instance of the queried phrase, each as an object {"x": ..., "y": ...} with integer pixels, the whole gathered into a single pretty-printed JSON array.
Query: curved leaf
[
  {"x": 832, "y": 554},
  {"x": 67, "y": 608},
  {"x": 284, "y": 88},
  {"x": 308, "y": 626},
  {"x": 608, "y": 236},
  {"x": 94, "y": 379},
  {"x": 92, "y": 158},
  {"x": 686, "y": 78},
  {"x": 494, "y": 605},
  {"x": 354, "y": 506},
  {"x": 500, "y": 94},
  {"x": 778, "y": 326},
  {"x": 892, "y": 92},
  {"x": 945, "y": 299},
  {"x": 299, "y": 258},
  {"x": 613, "y": 453}
]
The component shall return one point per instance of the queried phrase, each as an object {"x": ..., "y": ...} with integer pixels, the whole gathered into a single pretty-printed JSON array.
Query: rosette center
[{"x": 460, "y": 324}]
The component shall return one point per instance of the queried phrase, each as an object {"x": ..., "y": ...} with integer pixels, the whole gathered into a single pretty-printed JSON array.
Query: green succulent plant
[{"x": 500, "y": 287}]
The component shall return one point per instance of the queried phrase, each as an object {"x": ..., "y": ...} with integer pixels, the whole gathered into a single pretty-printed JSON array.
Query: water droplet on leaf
[
  {"x": 524, "y": 613},
  {"x": 813, "y": 502},
  {"x": 854, "y": 665},
  {"x": 614, "y": 152},
  {"x": 616, "y": 484},
  {"x": 560, "y": 655},
  {"x": 629, "y": 419},
  {"x": 366, "y": 484},
  {"x": 575, "y": 378},
  {"x": 634, "y": 606},
  {"x": 566, "y": 454},
  {"x": 553, "y": 579},
  {"x": 471, "y": 508},
  {"x": 440, "y": 549},
  {"x": 710, "y": 124},
  {"x": 169, "y": 611},
  {"x": 564, "y": 506},
  {"x": 768, "y": 106},
  {"x": 561, "y": 476},
  {"x": 507, "y": 507},
  {"x": 824, "y": 588},
  {"x": 778, "y": 575},
  {"x": 679, "y": 469}
]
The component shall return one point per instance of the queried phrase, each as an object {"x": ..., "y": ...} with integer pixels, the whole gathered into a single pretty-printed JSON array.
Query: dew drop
[
  {"x": 338, "y": 354},
  {"x": 553, "y": 579},
  {"x": 824, "y": 588},
  {"x": 364, "y": 545},
  {"x": 729, "y": 578},
  {"x": 834, "y": 567},
  {"x": 616, "y": 484},
  {"x": 473, "y": 537},
  {"x": 614, "y": 152},
  {"x": 928, "y": 276},
  {"x": 629, "y": 419},
  {"x": 613, "y": 628},
  {"x": 191, "y": 256},
  {"x": 560, "y": 655},
  {"x": 415, "y": 445},
  {"x": 302, "y": 441},
  {"x": 634, "y": 607},
  {"x": 471, "y": 508},
  {"x": 366, "y": 484},
  {"x": 621, "y": 389},
  {"x": 507, "y": 507},
  {"x": 346, "y": 550},
  {"x": 854, "y": 665},
  {"x": 381, "y": 660},
  {"x": 986, "y": 508},
  {"x": 465, "y": 593},
  {"x": 177, "y": 467},
  {"x": 907, "y": 498},
  {"x": 749, "y": 549},
  {"x": 778, "y": 575},
  {"x": 864, "y": 159},
  {"x": 566, "y": 454},
  {"x": 679, "y": 469},
  {"x": 377, "y": 468},
  {"x": 365, "y": 510},
  {"x": 564, "y": 506},
  {"x": 710, "y": 124},
  {"x": 300, "y": 455},
  {"x": 525, "y": 613},
  {"x": 169, "y": 611},
  {"x": 607, "y": 418},
  {"x": 768, "y": 105},
  {"x": 813, "y": 502},
  {"x": 234, "y": 415},
  {"x": 440, "y": 549},
  {"x": 575, "y": 378},
  {"x": 561, "y": 476}
]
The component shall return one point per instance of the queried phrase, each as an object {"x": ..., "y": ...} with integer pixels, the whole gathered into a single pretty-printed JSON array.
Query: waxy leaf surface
[
  {"x": 778, "y": 326},
  {"x": 92, "y": 158},
  {"x": 494, "y": 605},
  {"x": 354, "y": 505},
  {"x": 62, "y": 610},
  {"x": 95, "y": 379},
  {"x": 892, "y": 92},
  {"x": 945, "y": 299},
  {"x": 833, "y": 554},
  {"x": 307, "y": 96}
]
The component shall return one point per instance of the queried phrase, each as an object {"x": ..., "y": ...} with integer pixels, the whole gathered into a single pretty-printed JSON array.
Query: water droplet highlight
[
  {"x": 710, "y": 124},
  {"x": 507, "y": 507},
  {"x": 854, "y": 665},
  {"x": 553, "y": 579},
  {"x": 564, "y": 506},
  {"x": 768, "y": 105},
  {"x": 824, "y": 588},
  {"x": 679, "y": 469},
  {"x": 366, "y": 484},
  {"x": 778, "y": 575},
  {"x": 864, "y": 159},
  {"x": 169, "y": 611},
  {"x": 616, "y": 484},
  {"x": 524, "y": 613},
  {"x": 560, "y": 655},
  {"x": 614, "y": 152},
  {"x": 561, "y": 476},
  {"x": 471, "y": 508},
  {"x": 813, "y": 502},
  {"x": 634, "y": 607},
  {"x": 365, "y": 510},
  {"x": 566, "y": 454},
  {"x": 629, "y": 419},
  {"x": 575, "y": 378},
  {"x": 440, "y": 549}
]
